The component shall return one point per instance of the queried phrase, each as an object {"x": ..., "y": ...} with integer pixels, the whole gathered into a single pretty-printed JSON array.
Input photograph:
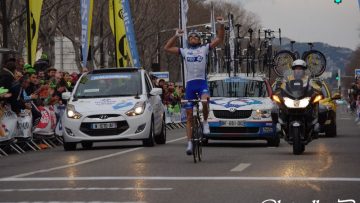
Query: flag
[
  {"x": 130, "y": 34},
  {"x": 117, "y": 24},
  {"x": 184, "y": 7},
  {"x": 33, "y": 24},
  {"x": 86, "y": 20}
]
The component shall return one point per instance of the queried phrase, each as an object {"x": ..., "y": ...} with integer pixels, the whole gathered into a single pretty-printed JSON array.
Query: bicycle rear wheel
[
  {"x": 199, "y": 140},
  {"x": 283, "y": 61}
]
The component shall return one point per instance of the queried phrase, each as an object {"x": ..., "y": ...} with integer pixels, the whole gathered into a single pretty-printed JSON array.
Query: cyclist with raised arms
[{"x": 195, "y": 59}]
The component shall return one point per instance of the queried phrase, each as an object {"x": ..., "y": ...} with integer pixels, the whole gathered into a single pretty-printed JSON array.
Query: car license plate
[
  {"x": 233, "y": 123},
  {"x": 103, "y": 125}
]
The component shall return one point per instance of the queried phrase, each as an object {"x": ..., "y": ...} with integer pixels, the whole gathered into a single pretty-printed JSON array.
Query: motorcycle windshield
[{"x": 296, "y": 88}]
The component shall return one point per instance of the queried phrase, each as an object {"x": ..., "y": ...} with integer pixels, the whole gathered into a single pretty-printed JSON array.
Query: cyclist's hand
[
  {"x": 179, "y": 33},
  {"x": 220, "y": 20}
]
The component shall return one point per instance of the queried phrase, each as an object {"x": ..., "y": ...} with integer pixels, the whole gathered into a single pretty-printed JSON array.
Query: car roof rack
[{"x": 115, "y": 70}]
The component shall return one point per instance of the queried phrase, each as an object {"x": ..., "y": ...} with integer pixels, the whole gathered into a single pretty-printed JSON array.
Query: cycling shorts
[{"x": 193, "y": 87}]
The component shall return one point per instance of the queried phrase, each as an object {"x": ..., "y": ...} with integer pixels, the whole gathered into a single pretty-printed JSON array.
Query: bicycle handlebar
[{"x": 193, "y": 100}]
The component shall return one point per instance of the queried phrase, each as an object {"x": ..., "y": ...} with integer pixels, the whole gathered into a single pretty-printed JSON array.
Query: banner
[
  {"x": 47, "y": 124},
  {"x": 130, "y": 33},
  {"x": 33, "y": 24},
  {"x": 8, "y": 124},
  {"x": 117, "y": 24},
  {"x": 86, "y": 21}
]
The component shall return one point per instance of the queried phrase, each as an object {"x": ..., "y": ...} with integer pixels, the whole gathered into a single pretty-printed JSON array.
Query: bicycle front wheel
[{"x": 195, "y": 139}]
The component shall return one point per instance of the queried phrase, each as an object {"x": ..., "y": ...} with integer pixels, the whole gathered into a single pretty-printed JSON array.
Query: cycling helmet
[
  {"x": 194, "y": 33},
  {"x": 299, "y": 63}
]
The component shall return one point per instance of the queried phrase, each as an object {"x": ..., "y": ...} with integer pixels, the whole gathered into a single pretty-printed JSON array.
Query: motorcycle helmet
[
  {"x": 299, "y": 73},
  {"x": 299, "y": 63}
]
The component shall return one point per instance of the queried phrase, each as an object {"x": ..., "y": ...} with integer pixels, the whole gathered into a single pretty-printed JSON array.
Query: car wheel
[
  {"x": 150, "y": 142},
  {"x": 87, "y": 145},
  {"x": 69, "y": 146},
  {"x": 161, "y": 138},
  {"x": 275, "y": 141}
]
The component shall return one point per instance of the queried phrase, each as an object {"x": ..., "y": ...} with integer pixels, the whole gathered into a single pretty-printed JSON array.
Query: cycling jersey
[{"x": 195, "y": 60}]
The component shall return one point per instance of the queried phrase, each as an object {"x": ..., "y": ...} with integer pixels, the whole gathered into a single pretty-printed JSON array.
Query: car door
[{"x": 156, "y": 105}]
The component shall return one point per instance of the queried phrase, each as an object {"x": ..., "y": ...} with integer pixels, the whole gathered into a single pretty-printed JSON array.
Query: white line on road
[
  {"x": 82, "y": 189},
  {"x": 186, "y": 178},
  {"x": 345, "y": 118},
  {"x": 71, "y": 202},
  {"x": 85, "y": 161},
  {"x": 240, "y": 167}
]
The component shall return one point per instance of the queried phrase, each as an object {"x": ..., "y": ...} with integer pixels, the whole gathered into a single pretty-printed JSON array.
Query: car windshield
[
  {"x": 237, "y": 87},
  {"x": 109, "y": 85}
]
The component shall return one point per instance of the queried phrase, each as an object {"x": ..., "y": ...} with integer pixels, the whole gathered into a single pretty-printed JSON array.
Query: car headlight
[
  {"x": 138, "y": 109},
  {"x": 261, "y": 114},
  {"x": 290, "y": 103},
  {"x": 72, "y": 113}
]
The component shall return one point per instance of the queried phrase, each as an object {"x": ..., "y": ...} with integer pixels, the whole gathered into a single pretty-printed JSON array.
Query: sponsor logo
[{"x": 195, "y": 59}]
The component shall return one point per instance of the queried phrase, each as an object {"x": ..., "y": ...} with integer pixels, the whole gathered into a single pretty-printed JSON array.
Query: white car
[
  {"x": 111, "y": 105},
  {"x": 241, "y": 109}
]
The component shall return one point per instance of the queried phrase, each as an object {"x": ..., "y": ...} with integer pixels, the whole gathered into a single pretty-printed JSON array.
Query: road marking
[
  {"x": 85, "y": 161},
  {"x": 82, "y": 189},
  {"x": 71, "y": 202},
  {"x": 345, "y": 118},
  {"x": 240, "y": 167},
  {"x": 185, "y": 178}
]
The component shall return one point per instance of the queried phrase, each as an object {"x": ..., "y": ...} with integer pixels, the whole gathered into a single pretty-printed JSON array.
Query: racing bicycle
[{"x": 197, "y": 129}]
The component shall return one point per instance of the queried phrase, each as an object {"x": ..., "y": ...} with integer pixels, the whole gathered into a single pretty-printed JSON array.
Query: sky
[{"x": 310, "y": 20}]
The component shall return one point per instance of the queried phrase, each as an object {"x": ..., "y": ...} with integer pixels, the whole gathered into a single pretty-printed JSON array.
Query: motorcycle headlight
[
  {"x": 290, "y": 103},
  {"x": 72, "y": 113},
  {"x": 138, "y": 109},
  {"x": 258, "y": 114}
]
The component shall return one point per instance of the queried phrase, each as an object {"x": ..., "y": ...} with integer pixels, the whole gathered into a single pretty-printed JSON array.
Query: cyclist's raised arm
[
  {"x": 170, "y": 45},
  {"x": 220, "y": 34}
]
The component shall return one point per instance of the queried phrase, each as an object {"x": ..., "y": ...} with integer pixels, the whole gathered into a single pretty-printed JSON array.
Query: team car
[
  {"x": 327, "y": 111},
  {"x": 111, "y": 105},
  {"x": 240, "y": 109}
]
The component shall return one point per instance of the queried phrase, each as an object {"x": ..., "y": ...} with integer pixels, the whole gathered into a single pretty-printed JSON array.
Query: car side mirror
[
  {"x": 156, "y": 91},
  {"x": 66, "y": 95},
  {"x": 336, "y": 96}
]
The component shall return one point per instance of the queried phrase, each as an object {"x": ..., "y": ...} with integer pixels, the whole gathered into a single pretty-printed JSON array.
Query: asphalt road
[{"x": 249, "y": 172}]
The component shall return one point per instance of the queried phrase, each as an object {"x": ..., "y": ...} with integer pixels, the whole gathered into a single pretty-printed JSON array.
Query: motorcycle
[{"x": 298, "y": 103}]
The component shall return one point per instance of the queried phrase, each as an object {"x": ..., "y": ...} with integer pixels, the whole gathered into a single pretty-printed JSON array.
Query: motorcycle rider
[{"x": 299, "y": 68}]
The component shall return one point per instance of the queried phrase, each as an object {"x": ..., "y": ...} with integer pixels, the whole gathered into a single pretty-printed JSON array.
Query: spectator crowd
[
  {"x": 354, "y": 99},
  {"x": 26, "y": 90}
]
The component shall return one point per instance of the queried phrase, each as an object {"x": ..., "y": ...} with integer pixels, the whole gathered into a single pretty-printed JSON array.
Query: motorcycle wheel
[{"x": 298, "y": 147}]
